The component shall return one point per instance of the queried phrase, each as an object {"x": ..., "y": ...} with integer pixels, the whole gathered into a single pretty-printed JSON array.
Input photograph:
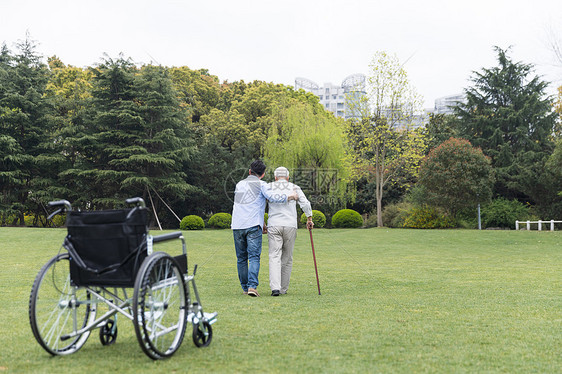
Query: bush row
[
  {"x": 500, "y": 213},
  {"x": 345, "y": 218}
]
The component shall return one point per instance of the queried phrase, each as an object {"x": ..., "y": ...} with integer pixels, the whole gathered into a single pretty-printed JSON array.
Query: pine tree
[
  {"x": 135, "y": 138},
  {"x": 509, "y": 116},
  {"x": 26, "y": 125}
]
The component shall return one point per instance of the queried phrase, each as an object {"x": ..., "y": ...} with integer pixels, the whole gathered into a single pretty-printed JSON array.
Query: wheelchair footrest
[{"x": 209, "y": 317}]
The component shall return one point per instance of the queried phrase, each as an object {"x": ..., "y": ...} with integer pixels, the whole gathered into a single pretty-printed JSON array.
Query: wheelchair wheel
[
  {"x": 108, "y": 332},
  {"x": 160, "y": 301},
  {"x": 57, "y": 308},
  {"x": 202, "y": 334}
]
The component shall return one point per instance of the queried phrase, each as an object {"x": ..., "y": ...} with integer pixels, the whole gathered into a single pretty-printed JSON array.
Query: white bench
[{"x": 539, "y": 222}]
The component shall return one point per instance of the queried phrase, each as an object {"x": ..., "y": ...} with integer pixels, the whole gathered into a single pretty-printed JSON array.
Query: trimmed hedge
[
  {"x": 192, "y": 222},
  {"x": 220, "y": 221},
  {"x": 347, "y": 218},
  {"x": 318, "y": 218}
]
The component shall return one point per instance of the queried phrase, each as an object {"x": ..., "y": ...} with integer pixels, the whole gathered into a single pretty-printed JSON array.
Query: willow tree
[
  {"x": 311, "y": 143},
  {"x": 385, "y": 145}
]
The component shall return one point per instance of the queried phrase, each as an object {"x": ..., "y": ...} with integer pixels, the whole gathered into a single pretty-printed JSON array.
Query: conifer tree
[
  {"x": 26, "y": 124},
  {"x": 509, "y": 116}
]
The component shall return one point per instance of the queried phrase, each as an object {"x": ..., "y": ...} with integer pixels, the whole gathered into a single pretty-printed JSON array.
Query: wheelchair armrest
[{"x": 164, "y": 237}]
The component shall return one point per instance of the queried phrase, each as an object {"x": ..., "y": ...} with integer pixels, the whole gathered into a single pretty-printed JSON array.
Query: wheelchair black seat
[{"x": 106, "y": 247}]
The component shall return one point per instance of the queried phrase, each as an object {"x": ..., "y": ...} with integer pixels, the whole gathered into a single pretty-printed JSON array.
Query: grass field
[{"x": 392, "y": 301}]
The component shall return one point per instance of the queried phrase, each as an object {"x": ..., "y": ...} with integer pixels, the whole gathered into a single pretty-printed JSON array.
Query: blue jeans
[{"x": 248, "y": 251}]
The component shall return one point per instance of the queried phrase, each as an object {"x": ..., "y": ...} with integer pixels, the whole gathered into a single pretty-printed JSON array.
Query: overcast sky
[{"x": 443, "y": 42}]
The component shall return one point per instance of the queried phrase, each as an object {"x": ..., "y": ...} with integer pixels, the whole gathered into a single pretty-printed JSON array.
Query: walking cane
[{"x": 314, "y": 257}]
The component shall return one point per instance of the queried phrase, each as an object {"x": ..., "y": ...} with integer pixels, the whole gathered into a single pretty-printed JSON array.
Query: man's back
[
  {"x": 285, "y": 214},
  {"x": 249, "y": 203}
]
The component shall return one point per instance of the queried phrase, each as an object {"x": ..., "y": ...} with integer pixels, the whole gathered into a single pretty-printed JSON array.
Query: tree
[
  {"x": 136, "y": 140},
  {"x": 558, "y": 110},
  {"x": 508, "y": 115},
  {"x": 107, "y": 135},
  {"x": 456, "y": 175},
  {"x": 552, "y": 182},
  {"x": 12, "y": 177},
  {"x": 162, "y": 145},
  {"x": 439, "y": 129},
  {"x": 26, "y": 125},
  {"x": 384, "y": 146},
  {"x": 311, "y": 143},
  {"x": 197, "y": 90}
]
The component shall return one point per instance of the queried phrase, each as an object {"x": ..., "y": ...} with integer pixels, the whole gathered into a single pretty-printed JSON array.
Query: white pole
[
  {"x": 540, "y": 225},
  {"x": 479, "y": 220},
  {"x": 552, "y": 225},
  {"x": 528, "y": 225}
]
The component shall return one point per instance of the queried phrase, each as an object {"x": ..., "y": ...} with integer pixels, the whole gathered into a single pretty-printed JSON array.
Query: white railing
[{"x": 539, "y": 222}]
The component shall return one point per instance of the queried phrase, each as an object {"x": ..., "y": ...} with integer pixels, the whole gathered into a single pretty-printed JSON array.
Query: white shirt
[
  {"x": 285, "y": 213},
  {"x": 249, "y": 202}
]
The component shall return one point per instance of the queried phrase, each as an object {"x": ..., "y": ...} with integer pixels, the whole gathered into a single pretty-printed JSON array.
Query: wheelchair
[{"x": 88, "y": 284}]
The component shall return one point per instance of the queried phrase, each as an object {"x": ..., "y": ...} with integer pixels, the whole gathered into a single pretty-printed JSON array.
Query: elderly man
[
  {"x": 282, "y": 230},
  {"x": 248, "y": 222}
]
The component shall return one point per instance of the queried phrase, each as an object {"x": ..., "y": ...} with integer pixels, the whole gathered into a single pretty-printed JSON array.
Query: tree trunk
[
  {"x": 378, "y": 193},
  {"x": 379, "y": 209}
]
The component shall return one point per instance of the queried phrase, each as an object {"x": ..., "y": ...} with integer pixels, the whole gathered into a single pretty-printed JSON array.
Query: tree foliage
[
  {"x": 311, "y": 143},
  {"x": 181, "y": 138},
  {"x": 456, "y": 175},
  {"x": 439, "y": 129},
  {"x": 384, "y": 146},
  {"x": 509, "y": 116},
  {"x": 26, "y": 122}
]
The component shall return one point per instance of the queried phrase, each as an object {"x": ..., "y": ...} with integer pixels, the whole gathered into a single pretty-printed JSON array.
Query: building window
[
  {"x": 327, "y": 91},
  {"x": 327, "y": 106},
  {"x": 321, "y": 97}
]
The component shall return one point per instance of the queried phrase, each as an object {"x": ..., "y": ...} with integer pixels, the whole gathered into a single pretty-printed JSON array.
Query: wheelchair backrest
[{"x": 106, "y": 247}]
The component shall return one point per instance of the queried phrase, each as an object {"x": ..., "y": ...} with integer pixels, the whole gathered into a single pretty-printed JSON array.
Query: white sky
[{"x": 277, "y": 41}]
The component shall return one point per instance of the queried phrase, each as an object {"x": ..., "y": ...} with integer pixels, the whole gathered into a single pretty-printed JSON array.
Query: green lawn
[{"x": 392, "y": 301}]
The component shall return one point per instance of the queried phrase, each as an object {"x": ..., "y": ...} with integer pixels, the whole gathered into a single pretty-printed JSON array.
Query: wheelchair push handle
[
  {"x": 65, "y": 203},
  {"x": 66, "y": 206},
  {"x": 136, "y": 200}
]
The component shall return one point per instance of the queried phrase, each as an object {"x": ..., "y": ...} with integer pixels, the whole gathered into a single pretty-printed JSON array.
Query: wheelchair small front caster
[
  {"x": 108, "y": 332},
  {"x": 202, "y": 334}
]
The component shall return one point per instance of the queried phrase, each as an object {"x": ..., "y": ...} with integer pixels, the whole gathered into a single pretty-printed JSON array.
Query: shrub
[
  {"x": 394, "y": 215},
  {"x": 347, "y": 218},
  {"x": 427, "y": 217},
  {"x": 57, "y": 221},
  {"x": 503, "y": 213},
  {"x": 192, "y": 222},
  {"x": 265, "y": 217},
  {"x": 371, "y": 220},
  {"x": 318, "y": 218},
  {"x": 220, "y": 221}
]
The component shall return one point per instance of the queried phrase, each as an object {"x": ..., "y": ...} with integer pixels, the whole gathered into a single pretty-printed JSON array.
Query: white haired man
[{"x": 282, "y": 230}]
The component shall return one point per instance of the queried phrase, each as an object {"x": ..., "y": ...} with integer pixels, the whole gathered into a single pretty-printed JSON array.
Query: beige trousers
[{"x": 281, "y": 244}]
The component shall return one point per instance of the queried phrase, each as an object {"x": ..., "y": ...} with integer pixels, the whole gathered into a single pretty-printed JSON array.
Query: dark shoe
[
  {"x": 253, "y": 292},
  {"x": 275, "y": 293}
]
